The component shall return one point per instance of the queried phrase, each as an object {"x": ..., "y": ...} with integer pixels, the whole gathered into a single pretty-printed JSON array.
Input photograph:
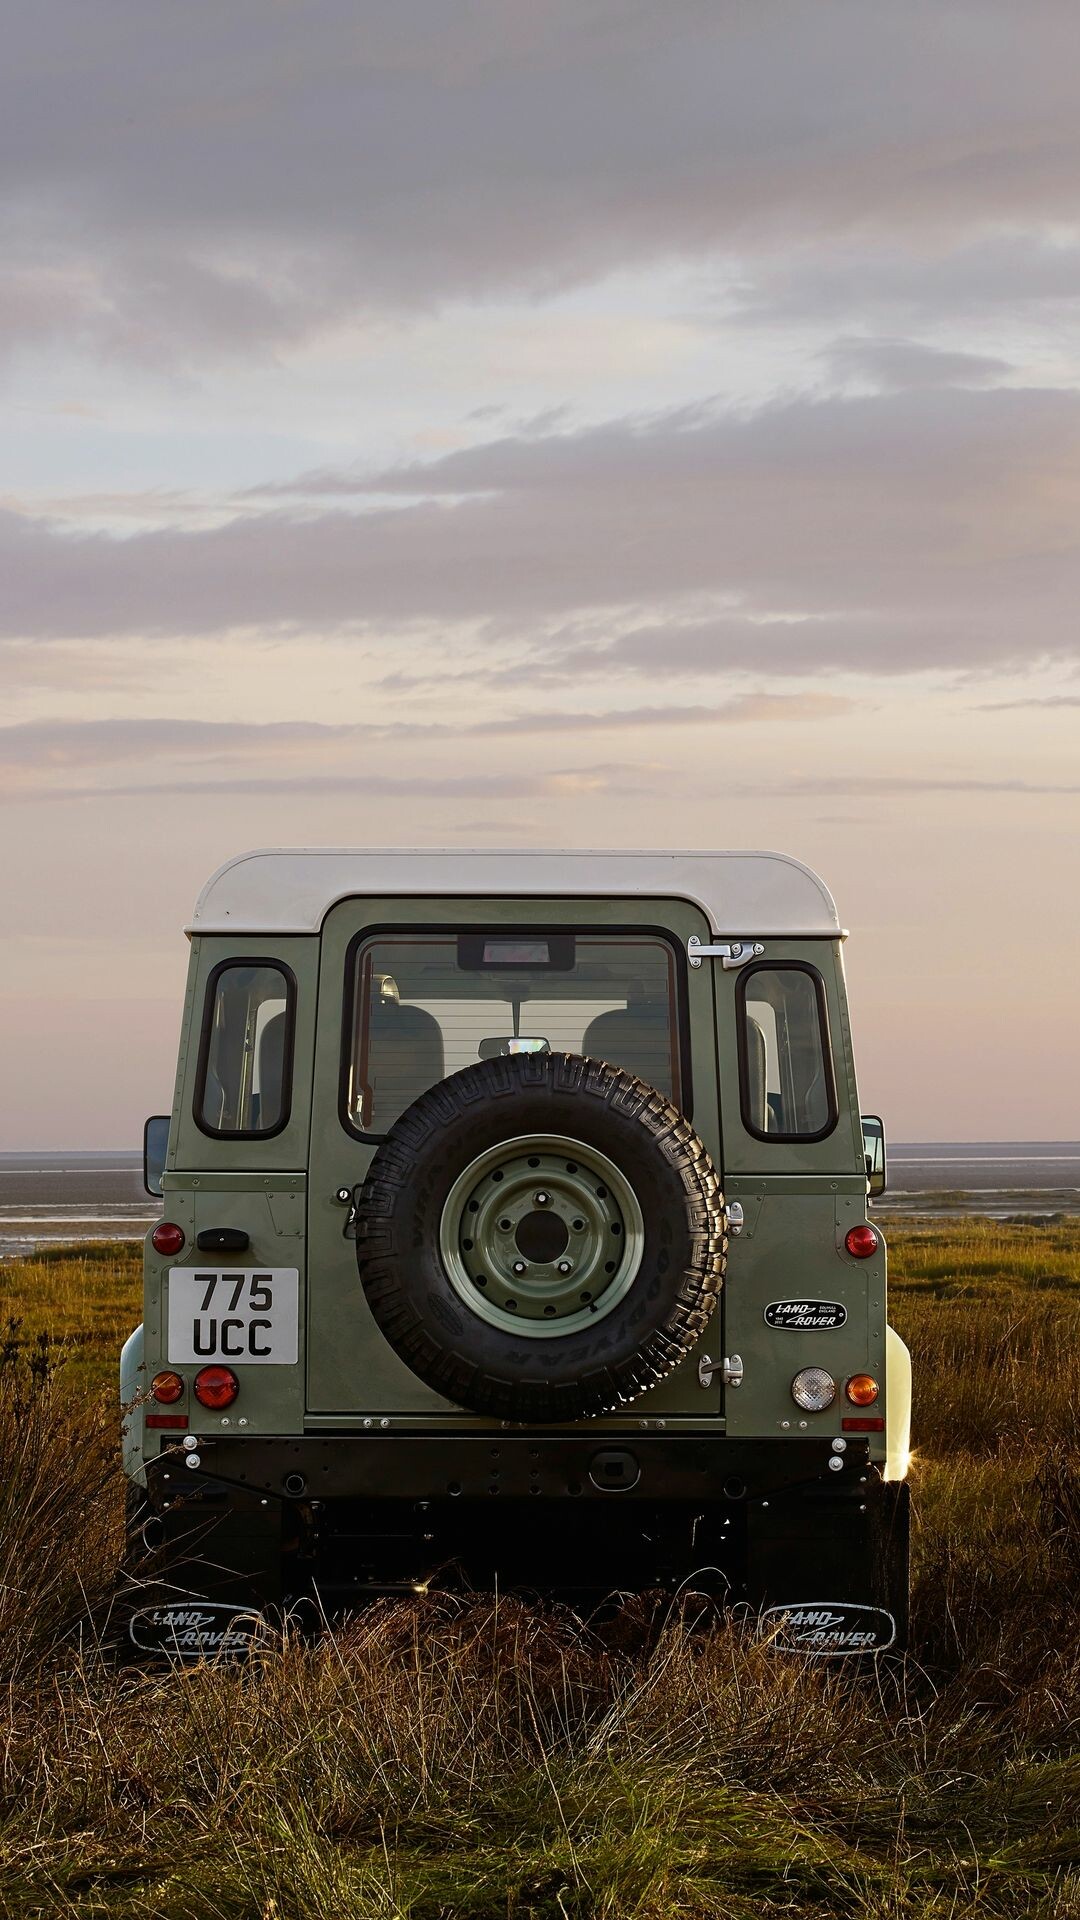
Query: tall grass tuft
[{"x": 60, "y": 1498}]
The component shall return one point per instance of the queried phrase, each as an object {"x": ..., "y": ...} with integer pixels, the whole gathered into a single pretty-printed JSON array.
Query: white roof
[{"x": 291, "y": 889}]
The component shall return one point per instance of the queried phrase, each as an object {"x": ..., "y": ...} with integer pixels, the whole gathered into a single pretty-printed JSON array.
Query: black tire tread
[{"x": 382, "y": 1247}]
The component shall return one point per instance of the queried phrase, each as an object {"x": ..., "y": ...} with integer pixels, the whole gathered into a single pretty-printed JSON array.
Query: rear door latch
[
  {"x": 730, "y": 953},
  {"x": 730, "y": 1370},
  {"x": 348, "y": 1197}
]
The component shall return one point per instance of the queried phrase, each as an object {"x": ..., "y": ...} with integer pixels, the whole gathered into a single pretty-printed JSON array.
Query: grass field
[{"x": 492, "y": 1762}]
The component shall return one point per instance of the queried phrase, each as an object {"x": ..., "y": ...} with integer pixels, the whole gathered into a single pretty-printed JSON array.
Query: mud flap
[
  {"x": 828, "y": 1574},
  {"x": 194, "y": 1629},
  {"x": 201, "y": 1572}
]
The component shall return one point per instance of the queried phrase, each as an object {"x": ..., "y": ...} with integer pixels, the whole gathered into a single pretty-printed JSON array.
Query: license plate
[{"x": 247, "y": 1318}]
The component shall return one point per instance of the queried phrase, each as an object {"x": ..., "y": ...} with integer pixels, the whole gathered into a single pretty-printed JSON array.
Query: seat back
[
  {"x": 405, "y": 1058},
  {"x": 636, "y": 1038},
  {"x": 757, "y": 1107},
  {"x": 270, "y": 1065}
]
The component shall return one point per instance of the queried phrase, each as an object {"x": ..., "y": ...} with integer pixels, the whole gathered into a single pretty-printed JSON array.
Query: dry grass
[
  {"x": 84, "y": 1300},
  {"x": 440, "y": 1759}
]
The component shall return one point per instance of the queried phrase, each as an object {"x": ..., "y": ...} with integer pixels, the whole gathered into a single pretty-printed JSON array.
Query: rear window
[
  {"x": 787, "y": 1086},
  {"x": 245, "y": 1059},
  {"x": 425, "y": 1005}
]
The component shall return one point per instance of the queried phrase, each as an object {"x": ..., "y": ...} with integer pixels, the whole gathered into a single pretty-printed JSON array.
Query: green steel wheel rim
[{"x": 541, "y": 1235}]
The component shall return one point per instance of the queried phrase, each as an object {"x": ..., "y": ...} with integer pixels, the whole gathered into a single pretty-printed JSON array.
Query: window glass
[
  {"x": 243, "y": 1081},
  {"x": 787, "y": 1077},
  {"x": 428, "y": 1004}
]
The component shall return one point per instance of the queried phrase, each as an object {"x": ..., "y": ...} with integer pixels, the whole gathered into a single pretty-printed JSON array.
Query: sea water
[{"x": 58, "y": 1198}]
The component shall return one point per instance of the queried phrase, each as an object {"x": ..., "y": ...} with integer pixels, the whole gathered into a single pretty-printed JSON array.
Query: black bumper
[{"x": 394, "y": 1467}]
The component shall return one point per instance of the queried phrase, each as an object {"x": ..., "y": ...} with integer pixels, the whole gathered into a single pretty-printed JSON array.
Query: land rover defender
[{"x": 515, "y": 1235}]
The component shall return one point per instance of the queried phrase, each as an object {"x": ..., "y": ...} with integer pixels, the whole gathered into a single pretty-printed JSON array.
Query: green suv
[{"x": 515, "y": 1235}]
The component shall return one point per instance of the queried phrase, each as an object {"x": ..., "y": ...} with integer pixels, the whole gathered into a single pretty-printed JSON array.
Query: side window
[
  {"x": 245, "y": 1059},
  {"x": 787, "y": 1086}
]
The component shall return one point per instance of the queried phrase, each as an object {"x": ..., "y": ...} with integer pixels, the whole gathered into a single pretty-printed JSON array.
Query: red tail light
[
  {"x": 871, "y": 1423},
  {"x": 862, "y": 1241},
  {"x": 216, "y": 1387},
  {"x": 167, "y": 1237},
  {"x": 167, "y": 1387}
]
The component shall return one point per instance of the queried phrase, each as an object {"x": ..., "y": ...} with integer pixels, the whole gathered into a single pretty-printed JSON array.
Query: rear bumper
[{"x": 692, "y": 1468}]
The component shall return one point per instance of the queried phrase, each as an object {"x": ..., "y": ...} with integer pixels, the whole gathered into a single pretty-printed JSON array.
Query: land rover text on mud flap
[{"x": 515, "y": 1234}]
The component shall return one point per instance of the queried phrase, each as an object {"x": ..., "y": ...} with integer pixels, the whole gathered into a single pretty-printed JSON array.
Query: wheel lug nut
[
  {"x": 541, "y": 1199},
  {"x": 566, "y": 1266},
  {"x": 519, "y": 1267}
]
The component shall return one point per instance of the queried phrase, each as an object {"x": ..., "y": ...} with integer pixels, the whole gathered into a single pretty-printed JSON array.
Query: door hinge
[
  {"x": 734, "y": 1217},
  {"x": 730, "y": 1370},
  {"x": 730, "y": 953}
]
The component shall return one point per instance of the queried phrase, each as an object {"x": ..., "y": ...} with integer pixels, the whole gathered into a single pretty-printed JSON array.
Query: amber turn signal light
[
  {"x": 167, "y": 1388},
  {"x": 862, "y": 1241},
  {"x": 216, "y": 1387},
  {"x": 167, "y": 1237},
  {"x": 862, "y": 1389}
]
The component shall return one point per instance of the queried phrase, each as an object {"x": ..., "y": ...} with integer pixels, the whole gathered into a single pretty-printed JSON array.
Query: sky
[{"x": 631, "y": 423}]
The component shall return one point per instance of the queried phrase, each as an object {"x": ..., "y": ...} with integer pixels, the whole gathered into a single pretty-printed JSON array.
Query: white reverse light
[{"x": 813, "y": 1389}]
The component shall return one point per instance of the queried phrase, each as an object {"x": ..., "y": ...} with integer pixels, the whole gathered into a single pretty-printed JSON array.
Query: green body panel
[
  {"x": 270, "y": 1209},
  {"x": 792, "y": 1246},
  {"x": 841, "y": 1150},
  {"x": 799, "y": 1200},
  {"x": 189, "y": 1148},
  {"x": 257, "y": 1185}
]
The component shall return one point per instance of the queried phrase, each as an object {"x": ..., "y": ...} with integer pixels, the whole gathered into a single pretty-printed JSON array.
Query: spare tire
[{"x": 541, "y": 1237}]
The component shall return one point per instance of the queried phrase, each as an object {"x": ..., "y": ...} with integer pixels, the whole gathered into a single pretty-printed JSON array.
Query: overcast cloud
[
  {"x": 238, "y": 173},
  {"x": 628, "y": 421},
  {"x": 893, "y": 533}
]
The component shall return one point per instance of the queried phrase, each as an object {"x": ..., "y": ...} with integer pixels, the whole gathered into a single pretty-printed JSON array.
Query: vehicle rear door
[{"x": 354, "y": 1376}]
